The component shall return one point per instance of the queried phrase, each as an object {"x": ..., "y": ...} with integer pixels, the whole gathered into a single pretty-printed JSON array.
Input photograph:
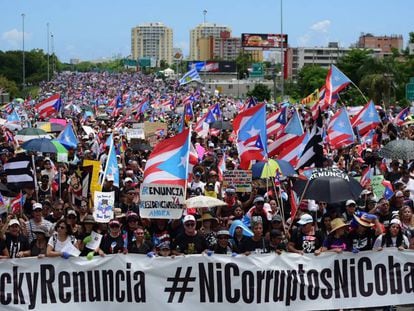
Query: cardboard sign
[
  {"x": 240, "y": 179},
  {"x": 103, "y": 206},
  {"x": 161, "y": 201},
  {"x": 135, "y": 133},
  {"x": 154, "y": 127}
]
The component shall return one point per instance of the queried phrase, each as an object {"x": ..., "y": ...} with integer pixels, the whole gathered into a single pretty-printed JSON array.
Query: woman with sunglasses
[
  {"x": 392, "y": 238},
  {"x": 59, "y": 240}
]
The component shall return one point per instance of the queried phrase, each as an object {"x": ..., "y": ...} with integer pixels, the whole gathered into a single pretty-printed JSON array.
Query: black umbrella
[
  {"x": 221, "y": 125},
  {"x": 402, "y": 149},
  {"x": 328, "y": 185}
]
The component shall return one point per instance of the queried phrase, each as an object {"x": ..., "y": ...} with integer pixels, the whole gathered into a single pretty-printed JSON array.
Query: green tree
[
  {"x": 311, "y": 78},
  {"x": 243, "y": 62},
  {"x": 8, "y": 86},
  {"x": 261, "y": 92},
  {"x": 352, "y": 61}
]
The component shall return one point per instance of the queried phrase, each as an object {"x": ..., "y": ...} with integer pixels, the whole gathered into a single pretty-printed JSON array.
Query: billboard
[
  {"x": 266, "y": 41},
  {"x": 213, "y": 66}
]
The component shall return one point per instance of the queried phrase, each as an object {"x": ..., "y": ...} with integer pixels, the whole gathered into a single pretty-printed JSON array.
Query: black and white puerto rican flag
[{"x": 19, "y": 171}]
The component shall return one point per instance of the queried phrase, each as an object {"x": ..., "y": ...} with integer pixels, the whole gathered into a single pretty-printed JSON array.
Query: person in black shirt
[
  {"x": 223, "y": 245},
  {"x": 363, "y": 234},
  {"x": 257, "y": 243},
  {"x": 112, "y": 242},
  {"x": 305, "y": 239},
  {"x": 139, "y": 245},
  {"x": 189, "y": 241},
  {"x": 16, "y": 242}
]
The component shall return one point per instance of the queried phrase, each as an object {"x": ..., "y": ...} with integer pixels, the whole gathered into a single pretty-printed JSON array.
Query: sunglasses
[{"x": 190, "y": 224}]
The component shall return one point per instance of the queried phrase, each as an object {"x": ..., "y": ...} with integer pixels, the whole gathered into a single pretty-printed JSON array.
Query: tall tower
[
  {"x": 152, "y": 40},
  {"x": 202, "y": 31}
]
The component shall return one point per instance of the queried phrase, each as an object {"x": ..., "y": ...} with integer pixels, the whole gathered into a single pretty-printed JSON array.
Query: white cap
[
  {"x": 37, "y": 206},
  {"x": 188, "y": 218},
  {"x": 210, "y": 144},
  {"x": 128, "y": 179},
  {"x": 305, "y": 219},
  {"x": 395, "y": 221},
  {"x": 349, "y": 202},
  {"x": 110, "y": 177},
  {"x": 14, "y": 222}
]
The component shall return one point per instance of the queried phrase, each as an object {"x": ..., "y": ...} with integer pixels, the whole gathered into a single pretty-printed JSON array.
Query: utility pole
[
  {"x": 48, "y": 53},
  {"x": 24, "y": 65},
  {"x": 282, "y": 76}
]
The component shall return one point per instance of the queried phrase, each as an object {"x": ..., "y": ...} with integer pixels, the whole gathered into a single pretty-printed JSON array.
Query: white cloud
[
  {"x": 14, "y": 37},
  {"x": 322, "y": 26}
]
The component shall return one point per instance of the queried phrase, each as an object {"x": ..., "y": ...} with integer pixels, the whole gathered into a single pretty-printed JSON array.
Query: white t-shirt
[{"x": 58, "y": 245}]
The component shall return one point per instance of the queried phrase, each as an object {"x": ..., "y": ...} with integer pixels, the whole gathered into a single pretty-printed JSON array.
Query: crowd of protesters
[{"x": 56, "y": 214}]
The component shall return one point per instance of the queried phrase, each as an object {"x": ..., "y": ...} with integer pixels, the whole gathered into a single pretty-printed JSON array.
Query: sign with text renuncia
[
  {"x": 161, "y": 201},
  {"x": 217, "y": 282}
]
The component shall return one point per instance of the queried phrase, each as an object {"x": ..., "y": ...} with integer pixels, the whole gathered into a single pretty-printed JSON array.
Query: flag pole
[
  {"x": 187, "y": 162},
  {"x": 301, "y": 198},
  {"x": 35, "y": 178}
]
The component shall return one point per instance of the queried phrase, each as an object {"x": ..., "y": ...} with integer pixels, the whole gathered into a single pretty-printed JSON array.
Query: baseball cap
[
  {"x": 395, "y": 221},
  {"x": 188, "y": 218},
  {"x": 14, "y": 222},
  {"x": 128, "y": 179},
  {"x": 114, "y": 222},
  {"x": 130, "y": 215},
  {"x": 276, "y": 218},
  {"x": 37, "y": 206},
  {"x": 197, "y": 174},
  {"x": 258, "y": 199},
  {"x": 110, "y": 178},
  {"x": 71, "y": 212},
  {"x": 223, "y": 232},
  {"x": 349, "y": 202},
  {"x": 305, "y": 219},
  {"x": 368, "y": 150}
]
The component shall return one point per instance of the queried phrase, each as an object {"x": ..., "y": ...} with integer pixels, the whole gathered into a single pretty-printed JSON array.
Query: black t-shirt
[
  {"x": 16, "y": 244},
  {"x": 249, "y": 245},
  {"x": 189, "y": 244},
  {"x": 111, "y": 245},
  {"x": 144, "y": 248},
  {"x": 306, "y": 242},
  {"x": 362, "y": 242}
]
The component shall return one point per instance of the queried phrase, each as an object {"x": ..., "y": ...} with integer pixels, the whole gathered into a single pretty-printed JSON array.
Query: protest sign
[
  {"x": 103, "y": 206},
  {"x": 240, "y": 179},
  {"x": 161, "y": 201}
]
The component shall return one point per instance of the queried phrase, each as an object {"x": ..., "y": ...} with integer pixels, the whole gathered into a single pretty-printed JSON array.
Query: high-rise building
[
  {"x": 206, "y": 30},
  {"x": 152, "y": 40},
  {"x": 384, "y": 43},
  {"x": 319, "y": 56}
]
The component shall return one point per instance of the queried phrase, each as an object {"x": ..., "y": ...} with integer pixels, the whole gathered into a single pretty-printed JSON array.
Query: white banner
[
  {"x": 220, "y": 282},
  {"x": 161, "y": 201}
]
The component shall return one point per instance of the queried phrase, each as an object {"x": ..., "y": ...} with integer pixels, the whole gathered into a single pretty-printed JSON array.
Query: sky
[{"x": 91, "y": 29}]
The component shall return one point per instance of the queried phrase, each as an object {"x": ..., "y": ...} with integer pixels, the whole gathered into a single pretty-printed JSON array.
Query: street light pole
[
  {"x": 204, "y": 40},
  {"x": 282, "y": 76},
  {"x": 53, "y": 53},
  {"x": 23, "y": 60},
  {"x": 48, "y": 57}
]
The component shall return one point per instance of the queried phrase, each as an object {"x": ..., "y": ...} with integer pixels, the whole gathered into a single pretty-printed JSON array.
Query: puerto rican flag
[
  {"x": 340, "y": 133},
  {"x": 366, "y": 177},
  {"x": 401, "y": 116},
  {"x": 250, "y": 129},
  {"x": 335, "y": 82},
  {"x": 17, "y": 203},
  {"x": 366, "y": 119},
  {"x": 275, "y": 122},
  {"x": 49, "y": 106},
  {"x": 168, "y": 162},
  {"x": 293, "y": 149},
  {"x": 289, "y": 133}
]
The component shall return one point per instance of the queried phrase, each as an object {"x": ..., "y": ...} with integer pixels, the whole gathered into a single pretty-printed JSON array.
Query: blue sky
[{"x": 91, "y": 29}]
